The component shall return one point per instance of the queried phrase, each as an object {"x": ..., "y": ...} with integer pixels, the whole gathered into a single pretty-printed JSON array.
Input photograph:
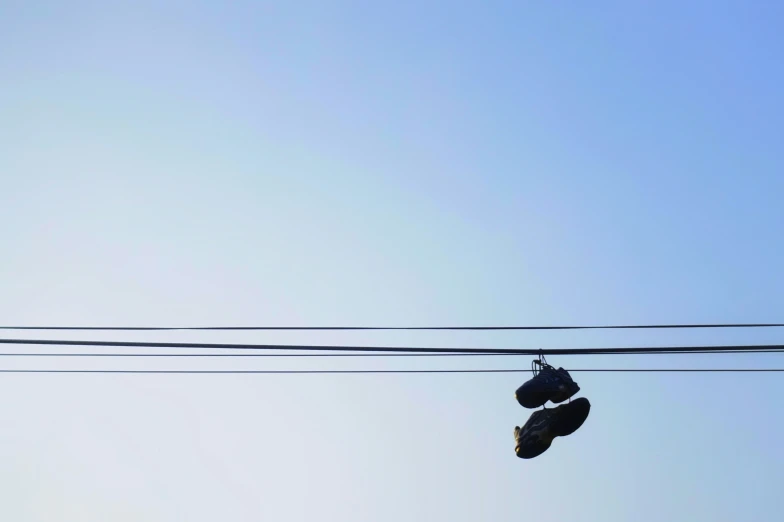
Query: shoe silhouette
[
  {"x": 547, "y": 385},
  {"x": 536, "y": 436}
]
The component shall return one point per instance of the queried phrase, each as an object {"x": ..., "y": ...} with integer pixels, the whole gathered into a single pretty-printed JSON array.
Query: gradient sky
[{"x": 364, "y": 163}]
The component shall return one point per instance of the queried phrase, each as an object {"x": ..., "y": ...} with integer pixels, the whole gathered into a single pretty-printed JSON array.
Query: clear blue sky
[{"x": 397, "y": 163}]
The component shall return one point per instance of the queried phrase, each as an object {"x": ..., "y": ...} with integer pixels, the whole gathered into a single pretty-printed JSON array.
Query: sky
[{"x": 390, "y": 163}]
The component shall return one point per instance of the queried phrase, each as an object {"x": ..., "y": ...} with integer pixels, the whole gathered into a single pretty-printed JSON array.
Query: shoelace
[
  {"x": 542, "y": 365},
  {"x": 538, "y": 365}
]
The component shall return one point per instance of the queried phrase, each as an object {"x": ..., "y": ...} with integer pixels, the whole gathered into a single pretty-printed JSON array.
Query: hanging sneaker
[
  {"x": 547, "y": 385},
  {"x": 543, "y": 426}
]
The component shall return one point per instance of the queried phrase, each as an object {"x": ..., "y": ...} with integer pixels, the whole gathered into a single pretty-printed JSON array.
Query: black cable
[
  {"x": 385, "y": 349},
  {"x": 352, "y": 328},
  {"x": 272, "y": 372},
  {"x": 316, "y": 355},
  {"x": 680, "y": 370}
]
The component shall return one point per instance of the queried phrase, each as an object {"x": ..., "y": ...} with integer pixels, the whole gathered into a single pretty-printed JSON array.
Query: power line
[
  {"x": 390, "y": 349},
  {"x": 366, "y": 328},
  {"x": 680, "y": 370},
  {"x": 335, "y": 372},
  {"x": 315, "y": 355}
]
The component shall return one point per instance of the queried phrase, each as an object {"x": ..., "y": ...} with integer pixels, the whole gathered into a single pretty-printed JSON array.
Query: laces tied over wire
[{"x": 538, "y": 364}]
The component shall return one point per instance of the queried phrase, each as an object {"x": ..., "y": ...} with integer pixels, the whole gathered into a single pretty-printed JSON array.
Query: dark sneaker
[
  {"x": 548, "y": 385},
  {"x": 543, "y": 426}
]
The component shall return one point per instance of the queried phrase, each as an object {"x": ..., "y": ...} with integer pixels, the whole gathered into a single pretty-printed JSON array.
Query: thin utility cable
[
  {"x": 336, "y": 372},
  {"x": 314, "y": 355},
  {"x": 390, "y": 349},
  {"x": 365, "y": 328}
]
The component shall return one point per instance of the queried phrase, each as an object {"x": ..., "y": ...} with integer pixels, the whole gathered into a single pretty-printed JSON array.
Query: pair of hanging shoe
[{"x": 556, "y": 386}]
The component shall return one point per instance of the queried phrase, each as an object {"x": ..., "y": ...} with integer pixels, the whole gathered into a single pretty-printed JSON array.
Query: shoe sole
[
  {"x": 569, "y": 419},
  {"x": 573, "y": 416}
]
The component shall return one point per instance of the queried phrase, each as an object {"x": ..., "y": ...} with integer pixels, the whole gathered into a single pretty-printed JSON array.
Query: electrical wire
[
  {"x": 335, "y": 372},
  {"x": 389, "y": 349},
  {"x": 315, "y": 355},
  {"x": 366, "y": 328}
]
